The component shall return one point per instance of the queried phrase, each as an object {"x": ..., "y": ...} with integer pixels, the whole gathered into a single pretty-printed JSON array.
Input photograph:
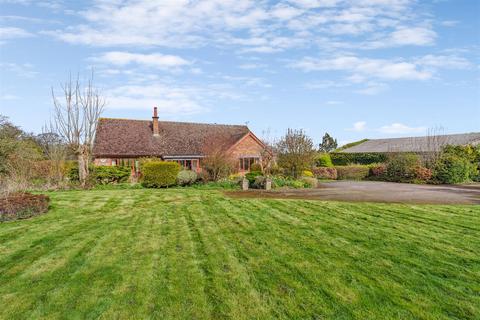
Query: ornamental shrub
[
  {"x": 158, "y": 174},
  {"x": 250, "y": 176},
  {"x": 259, "y": 182},
  {"x": 307, "y": 173},
  {"x": 352, "y": 172},
  {"x": 323, "y": 160},
  {"x": 401, "y": 167},
  {"x": 186, "y": 177},
  {"x": 378, "y": 170},
  {"x": 423, "y": 174},
  {"x": 343, "y": 159},
  {"x": 452, "y": 169},
  {"x": 325, "y": 173},
  {"x": 110, "y": 174}
]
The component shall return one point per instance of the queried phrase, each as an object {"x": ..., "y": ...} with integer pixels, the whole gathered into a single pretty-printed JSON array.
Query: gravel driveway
[{"x": 373, "y": 191}]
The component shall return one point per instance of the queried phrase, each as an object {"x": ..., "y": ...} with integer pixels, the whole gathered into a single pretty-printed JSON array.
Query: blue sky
[{"x": 354, "y": 68}]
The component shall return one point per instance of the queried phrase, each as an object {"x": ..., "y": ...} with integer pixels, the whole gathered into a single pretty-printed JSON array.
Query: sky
[{"x": 354, "y": 68}]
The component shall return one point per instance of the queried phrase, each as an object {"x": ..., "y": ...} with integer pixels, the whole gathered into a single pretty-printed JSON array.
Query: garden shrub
[
  {"x": 401, "y": 167},
  {"x": 186, "y": 177},
  {"x": 323, "y": 160},
  {"x": 452, "y": 169},
  {"x": 325, "y": 173},
  {"x": 158, "y": 174},
  {"x": 256, "y": 167},
  {"x": 309, "y": 182},
  {"x": 281, "y": 182},
  {"x": 352, "y": 172},
  {"x": 22, "y": 206},
  {"x": 110, "y": 174},
  {"x": 423, "y": 174},
  {"x": 343, "y": 159},
  {"x": 250, "y": 176},
  {"x": 378, "y": 170},
  {"x": 307, "y": 173}
]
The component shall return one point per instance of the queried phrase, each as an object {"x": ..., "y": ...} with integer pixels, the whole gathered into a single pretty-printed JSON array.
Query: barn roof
[
  {"x": 134, "y": 138},
  {"x": 415, "y": 144}
]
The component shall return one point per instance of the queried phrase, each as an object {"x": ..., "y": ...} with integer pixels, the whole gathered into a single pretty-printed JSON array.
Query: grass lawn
[{"x": 195, "y": 254}]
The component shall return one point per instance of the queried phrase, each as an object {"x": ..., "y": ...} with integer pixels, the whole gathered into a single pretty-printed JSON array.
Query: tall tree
[
  {"x": 75, "y": 119},
  {"x": 328, "y": 143},
  {"x": 295, "y": 152}
]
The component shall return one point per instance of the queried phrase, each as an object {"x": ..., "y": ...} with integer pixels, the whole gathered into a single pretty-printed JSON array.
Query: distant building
[
  {"x": 414, "y": 144},
  {"x": 123, "y": 141}
]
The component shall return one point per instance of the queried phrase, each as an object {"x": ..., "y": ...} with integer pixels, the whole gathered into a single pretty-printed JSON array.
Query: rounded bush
[
  {"x": 324, "y": 160},
  {"x": 307, "y": 173},
  {"x": 310, "y": 182},
  {"x": 250, "y": 176},
  {"x": 110, "y": 174},
  {"x": 158, "y": 174},
  {"x": 401, "y": 167},
  {"x": 452, "y": 169},
  {"x": 186, "y": 177}
]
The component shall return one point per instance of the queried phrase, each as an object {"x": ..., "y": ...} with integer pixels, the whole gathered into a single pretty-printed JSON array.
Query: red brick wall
[{"x": 247, "y": 147}]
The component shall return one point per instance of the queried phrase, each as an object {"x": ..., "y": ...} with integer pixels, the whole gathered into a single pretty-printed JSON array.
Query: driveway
[{"x": 372, "y": 191}]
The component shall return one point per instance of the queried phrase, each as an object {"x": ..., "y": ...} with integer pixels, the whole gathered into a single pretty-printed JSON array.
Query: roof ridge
[
  {"x": 181, "y": 122},
  {"x": 425, "y": 136}
]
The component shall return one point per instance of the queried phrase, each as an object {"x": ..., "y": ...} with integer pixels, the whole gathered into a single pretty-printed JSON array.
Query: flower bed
[{"x": 22, "y": 205}]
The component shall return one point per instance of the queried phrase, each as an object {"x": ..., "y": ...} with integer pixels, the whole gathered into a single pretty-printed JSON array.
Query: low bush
[
  {"x": 352, "y": 172},
  {"x": 186, "y": 177},
  {"x": 284, "y": 182},
  {"x": 110, "y": 174},
  {"x": 423, "y": 174},
  {"x": 259, "y": 182},
  {"x": 452, "y": 169},
  {"x": 22, "y": 206},
  {"x": 343, "y": 159},
  {"x": 401, "y": 167},
  {"x": 325, "y": 173},
  {"x": 307, "y": 173},
  {"x": 250, "y": 176},
  {"x": 323, "y": 160},
  {"x": 309, "y": 182},
  {"x": 378, "y": 170},
  {"x": 159, "y": 174}
]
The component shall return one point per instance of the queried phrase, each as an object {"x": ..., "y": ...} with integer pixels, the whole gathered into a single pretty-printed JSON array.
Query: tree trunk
[{"x": 83, "y": 164}]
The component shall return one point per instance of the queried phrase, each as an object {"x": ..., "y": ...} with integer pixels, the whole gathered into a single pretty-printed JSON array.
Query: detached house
[{"x": 124, "y": 141}]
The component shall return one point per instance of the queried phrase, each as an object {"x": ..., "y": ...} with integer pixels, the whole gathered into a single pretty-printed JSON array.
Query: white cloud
[
  {"x": 8, "y": 97},
  {"x": 372, "y": 88},
  {"x": 23, "y": 70},
  {"x": 169, "y": 99},
  {"x": 359, "y": 126},
  {"x": 254, "y": 26},
  {"x": 399, "y": 128},
  {"x": 155, "y": 60},
  {"x": 364, "y": 67},
  {"x": 7, "y": 33},
  {"x": 447, "y": 62}
]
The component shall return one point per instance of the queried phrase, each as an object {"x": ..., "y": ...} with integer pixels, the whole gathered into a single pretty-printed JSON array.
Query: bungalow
[{"x": 124, "y": 141}]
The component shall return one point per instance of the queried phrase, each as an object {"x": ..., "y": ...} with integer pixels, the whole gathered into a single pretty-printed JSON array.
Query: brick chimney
[{"x": 156, "y": 131}]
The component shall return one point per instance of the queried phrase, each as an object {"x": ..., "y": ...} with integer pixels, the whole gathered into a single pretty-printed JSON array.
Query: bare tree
[
  {"x": 295, "y": 151},
  {"x": 267, "y": 154},
  {"x": 219, "y": 162},
  {"x": 76, "y": 117}
]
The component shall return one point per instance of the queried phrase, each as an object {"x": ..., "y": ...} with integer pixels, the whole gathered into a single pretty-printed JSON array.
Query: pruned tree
[
  {"x": 295, "y": 152},
  {"x": 328, "y": 143},
  {"x": 76, "y": 113},
  {"x": 219, "y": 162}
]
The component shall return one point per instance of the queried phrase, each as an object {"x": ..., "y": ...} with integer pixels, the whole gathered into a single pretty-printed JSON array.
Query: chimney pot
[{"x": 156, "y": 130}]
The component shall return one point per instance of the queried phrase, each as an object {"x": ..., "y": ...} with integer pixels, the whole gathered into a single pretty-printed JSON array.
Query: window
[{"x": 246, "y": 163}]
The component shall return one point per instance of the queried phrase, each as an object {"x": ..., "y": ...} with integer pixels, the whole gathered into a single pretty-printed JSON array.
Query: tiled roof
[
  {"x": 415, "y": 144},
  {"x": 134, "y": 138}
]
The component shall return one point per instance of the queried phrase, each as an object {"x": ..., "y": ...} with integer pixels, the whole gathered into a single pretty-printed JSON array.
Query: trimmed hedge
[
  {"x": 352, "y": 172},
  {"x": 22, "y": 206},
  {"x": 159, "y": 174},
  {"x": 344, "y": 159}
]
